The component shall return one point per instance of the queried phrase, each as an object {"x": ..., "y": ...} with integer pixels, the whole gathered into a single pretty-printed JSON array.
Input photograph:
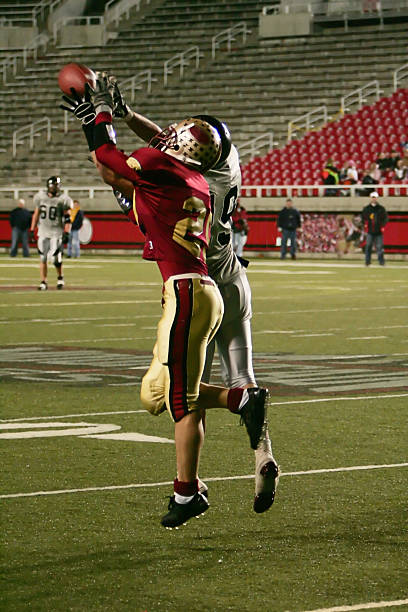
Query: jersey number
[
  {"x": 187, "y": 231},
  {"x": 230, "y": 202},
  {"x": 52, "y": 212}
]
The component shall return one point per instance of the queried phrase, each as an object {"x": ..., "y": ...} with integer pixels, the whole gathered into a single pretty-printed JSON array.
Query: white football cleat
[{"x": 266, "y": 474}]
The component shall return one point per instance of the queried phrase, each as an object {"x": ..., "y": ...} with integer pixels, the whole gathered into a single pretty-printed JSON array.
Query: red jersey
[{"x": 171, "y": 205}]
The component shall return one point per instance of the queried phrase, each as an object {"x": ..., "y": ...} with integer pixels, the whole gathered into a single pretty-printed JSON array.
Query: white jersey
[
  {"x": 52, "y": 211},
  {"x": 225, "y": 185}
]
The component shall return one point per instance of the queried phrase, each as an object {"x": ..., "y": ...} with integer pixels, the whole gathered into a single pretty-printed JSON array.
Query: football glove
[
  {"x": 31, "y": 236},
  {"x": 65, "y": 238},
  {"x": 82, "y": 108},
  {"x": 102, "y": 95},
  {"x": 120, "y": 109}
]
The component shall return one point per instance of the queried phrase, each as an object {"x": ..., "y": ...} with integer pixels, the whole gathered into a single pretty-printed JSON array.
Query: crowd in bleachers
[{"x": 368, "y": 146}]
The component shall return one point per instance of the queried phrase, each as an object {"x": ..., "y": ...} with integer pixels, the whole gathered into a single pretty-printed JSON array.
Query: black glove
[
  {"x": 82, "y": 108},
  {"x": 31, "y": 236},
  {"x": 102, "y": 95},
  {"x": 120, "y": 109},
  {"x": 65, "y": 238}
]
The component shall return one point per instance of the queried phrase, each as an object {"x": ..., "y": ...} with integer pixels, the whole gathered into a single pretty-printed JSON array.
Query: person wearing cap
[
  {"x": 375, "y": 218},
  {"x": 52, "y": 218}
]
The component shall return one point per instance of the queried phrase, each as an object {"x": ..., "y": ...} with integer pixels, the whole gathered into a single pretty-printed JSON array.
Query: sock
[
  {"x": 236, "y": 399},
  {"x": 185, "y": 491}
]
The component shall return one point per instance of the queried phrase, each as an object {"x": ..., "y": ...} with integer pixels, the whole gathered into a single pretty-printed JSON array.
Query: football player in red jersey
[{"x": 171, "y": 203}]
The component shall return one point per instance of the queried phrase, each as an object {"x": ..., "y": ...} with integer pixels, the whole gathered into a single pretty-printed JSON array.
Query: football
[{"x": 75, "y": 75}]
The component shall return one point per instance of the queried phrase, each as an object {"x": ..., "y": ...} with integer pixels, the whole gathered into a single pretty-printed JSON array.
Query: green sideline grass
[{"x": 333, "y": 538}]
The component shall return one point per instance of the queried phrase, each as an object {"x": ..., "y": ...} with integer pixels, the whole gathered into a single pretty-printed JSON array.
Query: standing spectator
[
  {"x": 375, "y": 218},
  {"x": 52, "y": 216},
  {"x": 20, "y": 219},
  {"x": 240, "y": 229},
  {"x": 288, "y": 222},
  {"x": 330, "y": 176},
  {"x": 77, "y": 219}
]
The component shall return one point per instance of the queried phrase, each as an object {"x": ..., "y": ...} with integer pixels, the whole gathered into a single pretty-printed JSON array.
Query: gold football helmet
[{"x": 192, "y": 141}]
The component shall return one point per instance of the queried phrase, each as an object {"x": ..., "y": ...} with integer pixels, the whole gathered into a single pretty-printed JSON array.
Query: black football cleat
[
  {"x": 179, "y": 514},
  {"x": 253, "y": 414}
]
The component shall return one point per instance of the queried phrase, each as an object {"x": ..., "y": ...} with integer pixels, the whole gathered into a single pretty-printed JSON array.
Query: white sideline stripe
[
  {"x": 68, "y": 416},
  {"x": 364, "y": 606},
  {"x": 311, "y": 401},
  {"x": 210, "y": 479}
]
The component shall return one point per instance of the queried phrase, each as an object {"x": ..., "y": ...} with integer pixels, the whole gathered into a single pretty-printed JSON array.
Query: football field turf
[{"x": 85, "y": 472}]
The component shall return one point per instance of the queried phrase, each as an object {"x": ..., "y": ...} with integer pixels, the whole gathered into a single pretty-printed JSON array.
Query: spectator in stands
[
  {"x": 288, "y": 222},
  {"x": 375, "y": 218},
  {"x": 371, "y": 177},
  {"x": 20, "y": 221},
  {"x": 401, "y": 171},
  {"x": 77, "y": 219},
  {"x": 240, "y": 229},
  {"x": 404, "y": 157},
  {"x": 330, "y": 176},
  {"x": 349, "y": 176},
  {"x": 387, "y": 161}
]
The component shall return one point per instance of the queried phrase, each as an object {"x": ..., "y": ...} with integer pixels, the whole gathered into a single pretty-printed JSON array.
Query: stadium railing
[{"x": 257, "y": 191}]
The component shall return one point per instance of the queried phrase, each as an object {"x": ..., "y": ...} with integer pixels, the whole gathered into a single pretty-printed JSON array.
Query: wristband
[
  {"x": 89, "y": 134},
  {"x": 103, "y": 133}
]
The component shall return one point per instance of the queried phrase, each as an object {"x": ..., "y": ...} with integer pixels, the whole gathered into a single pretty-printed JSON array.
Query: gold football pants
[{"x": 192, "y": 313}]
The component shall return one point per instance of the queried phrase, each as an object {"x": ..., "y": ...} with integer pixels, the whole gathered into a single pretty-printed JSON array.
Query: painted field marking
[
  {"x": 209, "y": 479},
  {"x": 144, "y": 412},
  {"x": 93, "y": 303},
  {"x": 75, "y": 429},
  {"x": 363, "y": 606}
]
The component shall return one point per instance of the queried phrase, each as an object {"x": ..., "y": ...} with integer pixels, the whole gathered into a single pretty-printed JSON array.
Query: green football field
[{"x": 86, "y": 473}]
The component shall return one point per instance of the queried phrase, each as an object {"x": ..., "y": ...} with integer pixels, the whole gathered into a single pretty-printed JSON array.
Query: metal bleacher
[{"x": 257, "y": 86}]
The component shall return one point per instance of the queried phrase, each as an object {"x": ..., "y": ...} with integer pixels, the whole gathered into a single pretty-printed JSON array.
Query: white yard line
[
  {"x": 363, "y": 606},
  {"x": 206, "y": 479},
  {"x": 291, "y": 402}
]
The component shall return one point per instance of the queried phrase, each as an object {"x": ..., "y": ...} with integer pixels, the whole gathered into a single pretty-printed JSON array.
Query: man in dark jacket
[
  {"x": 375, "y": 218},
  {"x": 20, "y": 220},
  {"x": 288, "y": 222}
]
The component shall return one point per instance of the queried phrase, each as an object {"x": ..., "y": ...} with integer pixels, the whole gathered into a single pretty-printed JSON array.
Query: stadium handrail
[
  {"x": 399, "y": 75},
  {"x": 285, "y": 190},
  {"x": 359, "y": 96},
  {"x": 228, "y": 36},
  {"x": 11, "y": 61},
  {"x": 40, "y": 8},
  {"x": 134, "y": 83},
  {"x": 182, "y": 60},
  {"x": 253, "y": 146},
  {"x": 29, "y": 131},
  {"x": 304, "y": 122},
  {"x": 114, "y": 13}
]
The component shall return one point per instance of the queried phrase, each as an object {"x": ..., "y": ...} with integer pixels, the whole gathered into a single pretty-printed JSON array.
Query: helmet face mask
[
  {"x": 223, "y": 133},
  {"x": 53, "y": 184},
  {"x": 192, "y": 141}
]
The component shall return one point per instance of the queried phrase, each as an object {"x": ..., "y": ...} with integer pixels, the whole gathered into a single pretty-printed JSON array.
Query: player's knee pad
[{"x": 152, "y": 395}]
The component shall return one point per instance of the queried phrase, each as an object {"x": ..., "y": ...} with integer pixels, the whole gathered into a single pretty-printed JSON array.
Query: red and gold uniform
[{"x": 171, "y": 204}]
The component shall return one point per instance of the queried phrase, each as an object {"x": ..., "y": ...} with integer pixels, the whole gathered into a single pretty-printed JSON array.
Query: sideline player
[
  {"x": 172, "y": 206},
  {"x": 52, "y": 217},
  {"x": 233, "y": 339}
]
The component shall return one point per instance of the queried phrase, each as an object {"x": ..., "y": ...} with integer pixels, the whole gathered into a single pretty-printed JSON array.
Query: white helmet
[{"x": 192, "y": 141}]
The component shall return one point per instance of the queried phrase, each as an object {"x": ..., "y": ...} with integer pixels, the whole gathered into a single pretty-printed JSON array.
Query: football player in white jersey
[
  {"x": 233, "y": 338},
  {"x": 52, "y": 218}
]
